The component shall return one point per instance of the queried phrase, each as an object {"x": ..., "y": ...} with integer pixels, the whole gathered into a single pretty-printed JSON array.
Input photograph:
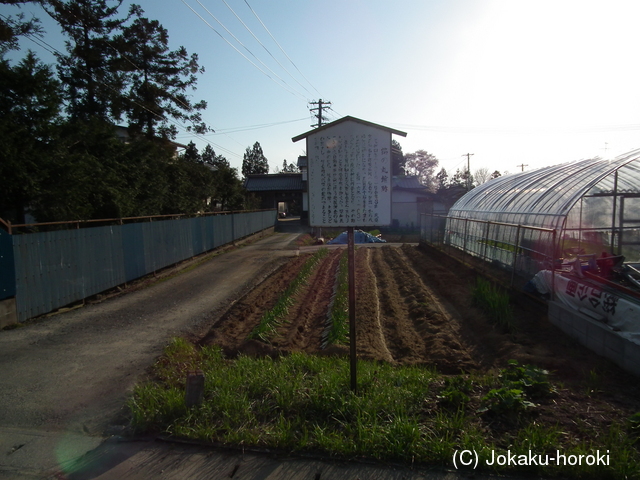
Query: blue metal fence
[{"x": 53, "y": 269}]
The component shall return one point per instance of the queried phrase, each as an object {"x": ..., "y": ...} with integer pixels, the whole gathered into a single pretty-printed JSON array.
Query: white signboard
[{"x": 349, "y": 176}]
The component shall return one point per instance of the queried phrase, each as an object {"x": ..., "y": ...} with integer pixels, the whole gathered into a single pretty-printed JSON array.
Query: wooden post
[
  {"x": 195, "y": 388},
  {"x": 352, "y": 308}
]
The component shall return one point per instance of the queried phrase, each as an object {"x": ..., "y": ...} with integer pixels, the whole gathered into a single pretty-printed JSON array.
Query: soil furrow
[
  {"x": 302, "y": 328},
  {"x": 231, "y": 330},
  {"x": 403, "y": 341},
  {"x": 370, "y": 341}
]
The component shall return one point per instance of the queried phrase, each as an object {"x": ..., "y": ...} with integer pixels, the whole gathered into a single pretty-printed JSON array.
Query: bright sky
[{"x": 512, "y": 81}]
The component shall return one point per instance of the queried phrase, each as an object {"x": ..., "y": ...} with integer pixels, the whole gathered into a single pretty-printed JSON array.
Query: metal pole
[
  {"x": 352, "y": 307},
  {"x": 464, "y": 240},
  {"x": 613, "y": 216},
  {"x": 515, "y": 256},
  {"x": 486, "y": 240},
  {"x": 553, "y": 267}
]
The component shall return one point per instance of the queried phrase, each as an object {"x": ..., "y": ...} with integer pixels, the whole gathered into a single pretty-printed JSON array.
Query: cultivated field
[{"x": 414, "y": 306}]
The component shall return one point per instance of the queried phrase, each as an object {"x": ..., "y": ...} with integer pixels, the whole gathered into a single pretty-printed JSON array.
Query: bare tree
[
  {"x": 422, "y": 164},
  {"x": 481, "y": 175}
]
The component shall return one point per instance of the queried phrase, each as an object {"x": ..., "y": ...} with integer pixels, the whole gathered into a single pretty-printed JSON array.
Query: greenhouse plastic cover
[{"x": 545, "y": 196}]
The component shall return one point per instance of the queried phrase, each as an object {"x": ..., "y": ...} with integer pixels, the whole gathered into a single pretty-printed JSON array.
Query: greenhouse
[
  {"x": 569, "y": 233},
  {"x": 532, "y": 220}
]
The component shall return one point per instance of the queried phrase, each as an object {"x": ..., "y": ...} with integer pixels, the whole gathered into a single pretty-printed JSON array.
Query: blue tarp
[{"x": 359, "y": 237}]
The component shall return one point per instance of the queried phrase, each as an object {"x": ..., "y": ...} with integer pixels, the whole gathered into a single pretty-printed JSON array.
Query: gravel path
[{"x": 73, "y": 372}]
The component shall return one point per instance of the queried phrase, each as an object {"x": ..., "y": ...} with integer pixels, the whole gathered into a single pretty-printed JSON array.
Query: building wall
[{"x": 406, "y": 207}]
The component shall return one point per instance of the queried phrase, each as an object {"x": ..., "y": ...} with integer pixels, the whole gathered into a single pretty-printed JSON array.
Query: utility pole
[
  {"x": 468, "y": 155},
  {"x": 522, "y": 165},
  {"x": 321, "y": 105}
]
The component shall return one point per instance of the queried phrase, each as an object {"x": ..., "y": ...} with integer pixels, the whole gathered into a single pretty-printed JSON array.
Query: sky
[{"x": 519, "y": 84}]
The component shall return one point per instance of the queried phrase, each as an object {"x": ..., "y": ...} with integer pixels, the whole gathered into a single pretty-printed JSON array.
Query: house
[
  {"x": 409, "y": 199},
  {"x": 124, "y": 135},
  {"x": 283, "y": 191}
]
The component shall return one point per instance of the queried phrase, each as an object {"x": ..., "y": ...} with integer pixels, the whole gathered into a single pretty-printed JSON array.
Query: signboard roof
[{"x": 345, "y": 119}]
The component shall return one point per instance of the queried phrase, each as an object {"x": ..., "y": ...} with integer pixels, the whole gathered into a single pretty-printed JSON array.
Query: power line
[
  {"x": 293, "y": 92},
  {"x": 263, "y": 46},
  {"x": 222, "y": 131},
  {"x": 289, "y": 87},
  {"x": 280, "y": 47},
  {"x": 521, "y": 130}
]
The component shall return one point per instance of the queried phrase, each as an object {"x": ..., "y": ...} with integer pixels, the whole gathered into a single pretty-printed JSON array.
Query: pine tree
[{"x": 30, "y": 104}]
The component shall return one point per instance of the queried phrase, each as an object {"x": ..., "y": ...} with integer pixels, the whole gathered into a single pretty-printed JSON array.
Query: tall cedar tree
[
  {"x": 156, "y": 80},
  {"x": 397, "y": 158},
  {"x": 92, "y": 85},
  {"x": 30, "y": 106},
  {"x": 254, "y": 161},
  {"x": 11, "y": 28}
]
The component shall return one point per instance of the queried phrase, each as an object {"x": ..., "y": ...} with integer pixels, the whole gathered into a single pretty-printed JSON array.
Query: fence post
[
  {"x": 486, "y": 241},
  {"x": 464, "y": 241},
  {"x": 515, "y": 255},
  {"x": 553, "y": 267}
]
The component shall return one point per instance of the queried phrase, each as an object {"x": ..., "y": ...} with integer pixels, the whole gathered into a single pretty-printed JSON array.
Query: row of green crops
[
  {"x": 339, "y": 313},
  {"x": 273, "y": 317}
]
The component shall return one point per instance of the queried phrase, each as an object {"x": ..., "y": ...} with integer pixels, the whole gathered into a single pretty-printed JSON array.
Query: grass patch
[
  {"x": 273, "y": 317},
  {"x": 494, "y": 302},
  {"x": 410, "y": 414}
]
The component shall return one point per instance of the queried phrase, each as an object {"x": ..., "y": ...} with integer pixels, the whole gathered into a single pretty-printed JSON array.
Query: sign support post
[
  {"x": 352, "y": 308},
  {"x": 349, "y": 185}
]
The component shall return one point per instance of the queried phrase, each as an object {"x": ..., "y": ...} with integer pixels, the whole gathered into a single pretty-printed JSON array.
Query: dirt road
[{"x": 72, "y": 372}]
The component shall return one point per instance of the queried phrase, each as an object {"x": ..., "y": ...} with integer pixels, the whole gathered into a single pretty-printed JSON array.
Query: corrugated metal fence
[{"x": 53, "y": 269}]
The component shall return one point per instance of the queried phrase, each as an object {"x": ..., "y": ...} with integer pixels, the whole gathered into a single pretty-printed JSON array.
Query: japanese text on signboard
[{"x": 350, "y": 179}]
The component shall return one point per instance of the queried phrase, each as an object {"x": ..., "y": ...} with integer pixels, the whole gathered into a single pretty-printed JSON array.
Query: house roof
[
  {"x": 407, "y": 183},
  {"x": 123, "y": 133},
  {"x": 345, "y": 119},
  {"x": 274, "y": 182}
]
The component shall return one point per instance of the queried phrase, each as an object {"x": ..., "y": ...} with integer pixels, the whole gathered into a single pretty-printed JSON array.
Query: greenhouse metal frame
[{"x": 530, "y": 220}]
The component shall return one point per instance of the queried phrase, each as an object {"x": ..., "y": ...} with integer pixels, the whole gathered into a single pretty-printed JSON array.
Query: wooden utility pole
[
  {"x": 522, "y": 165},
  {"x": 321, "y": 105},
  {"x": 468, "y": 155}
]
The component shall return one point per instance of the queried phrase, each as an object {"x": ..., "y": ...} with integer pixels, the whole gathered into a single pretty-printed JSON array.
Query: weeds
[
  {"x": 518, "y": 385},
  {"x": 593, "y": 382},
  {"x": 304, "y": 403},
  {"x": 532, "y": 380},
  {"x": 455, "y": 395},
  {"x": 494, "y": 302}
]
